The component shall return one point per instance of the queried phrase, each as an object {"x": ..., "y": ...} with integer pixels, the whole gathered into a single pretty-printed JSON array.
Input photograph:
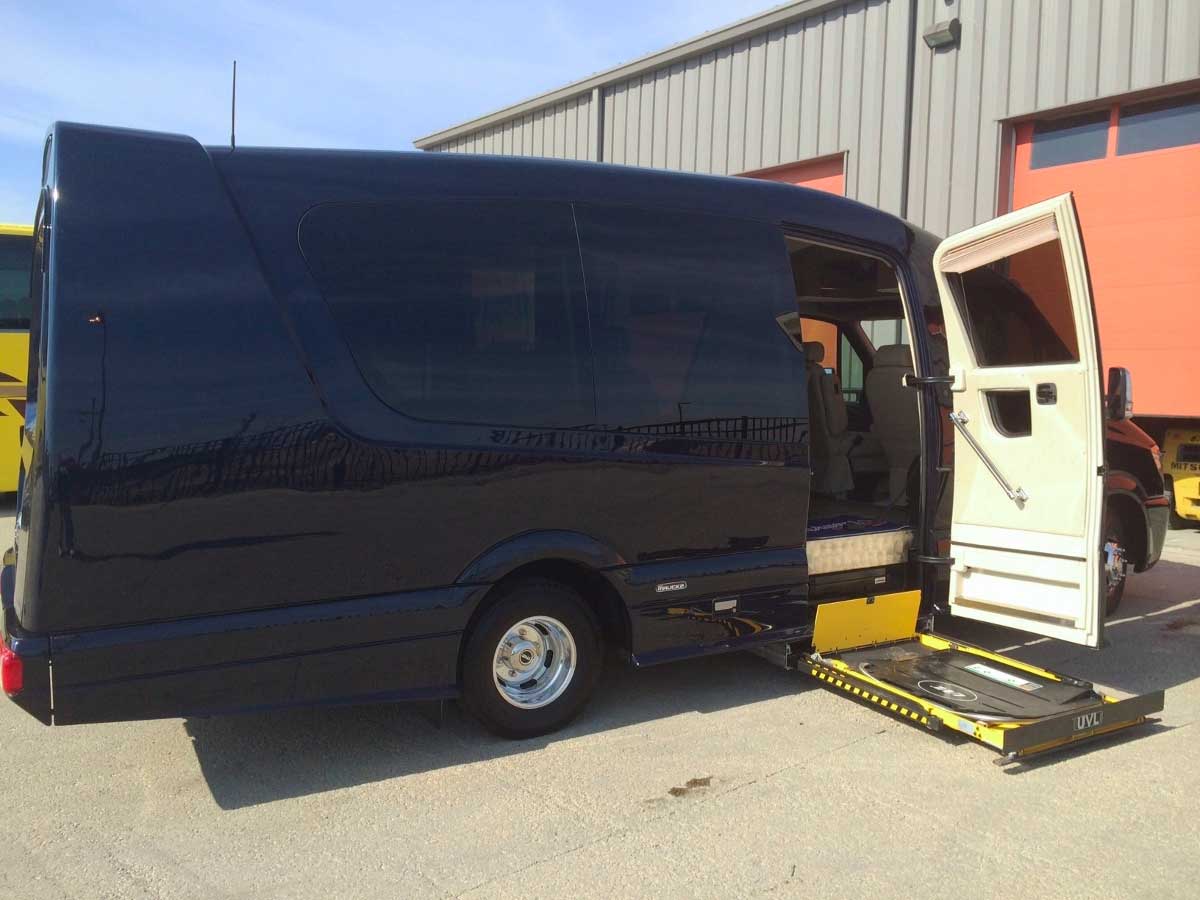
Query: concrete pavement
[{"x": 717, "y": 777}]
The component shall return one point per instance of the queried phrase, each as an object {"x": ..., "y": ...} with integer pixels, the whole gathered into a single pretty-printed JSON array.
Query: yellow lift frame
[{"x": 891, "y": 619}]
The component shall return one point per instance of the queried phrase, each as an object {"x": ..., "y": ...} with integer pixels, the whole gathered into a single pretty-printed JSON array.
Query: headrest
[
  {"x": 894, "y": 355},
  {"x": 814, "y": 351}
]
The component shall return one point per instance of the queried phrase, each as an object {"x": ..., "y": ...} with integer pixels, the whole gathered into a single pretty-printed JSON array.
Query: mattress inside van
[{"x": 845, "y": 543}]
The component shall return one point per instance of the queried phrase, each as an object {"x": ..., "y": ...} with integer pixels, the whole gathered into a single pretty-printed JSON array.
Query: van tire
[{"x": 550, "y": 628}]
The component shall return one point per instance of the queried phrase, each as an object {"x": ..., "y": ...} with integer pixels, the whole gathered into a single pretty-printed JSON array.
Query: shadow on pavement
[
  {"x": 258, "y": 758},
  {"x": 1151, "y": 643}
]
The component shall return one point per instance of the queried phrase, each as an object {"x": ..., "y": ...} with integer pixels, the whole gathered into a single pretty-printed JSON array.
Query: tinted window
[
  {"x": 684, "y": 318},
  {"x": 853, "y": 372},
  {"x": 16, "y": 258},
  {"x": 1010, "y": 412},
  {"x": 1018, "y": 310},
  {"x": 1069, "y": 140},
  {"x": 1156, "y": 126},
  {"x": 460, "y": 311}
]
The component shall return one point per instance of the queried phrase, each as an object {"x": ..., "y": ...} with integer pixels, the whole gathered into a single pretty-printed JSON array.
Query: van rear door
[{"x": 1029, "y": 424}]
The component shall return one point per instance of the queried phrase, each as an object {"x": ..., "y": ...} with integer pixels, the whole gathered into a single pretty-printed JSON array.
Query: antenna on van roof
[{"x": 233, "y": 111}]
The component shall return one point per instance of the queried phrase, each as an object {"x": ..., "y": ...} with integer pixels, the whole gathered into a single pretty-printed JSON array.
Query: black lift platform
[{"x": 870, "y": 649}]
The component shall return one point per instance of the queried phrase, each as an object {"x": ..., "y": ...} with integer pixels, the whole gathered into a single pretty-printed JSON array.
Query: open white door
[{"x": 1029, "y": 424}]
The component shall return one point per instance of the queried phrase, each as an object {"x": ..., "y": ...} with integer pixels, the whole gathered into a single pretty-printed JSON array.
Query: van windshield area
[
  {"x": 16, "y": 253},
  {"x": 865, "y": 429}
]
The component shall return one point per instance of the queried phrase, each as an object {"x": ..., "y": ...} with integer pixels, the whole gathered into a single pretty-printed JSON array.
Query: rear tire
[
  {"x": 1114, "y": 565},
  {"x": 532, "y": 660}
]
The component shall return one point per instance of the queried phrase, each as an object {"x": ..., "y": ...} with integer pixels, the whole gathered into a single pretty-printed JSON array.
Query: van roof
[{"x": 441, "y": 175}]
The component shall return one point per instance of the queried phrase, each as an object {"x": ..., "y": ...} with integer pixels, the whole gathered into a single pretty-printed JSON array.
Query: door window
[
  {"x": 469, "y": 311},
  {"x": 1018, "y": 310},
  {"x": 685, "y": 312}
]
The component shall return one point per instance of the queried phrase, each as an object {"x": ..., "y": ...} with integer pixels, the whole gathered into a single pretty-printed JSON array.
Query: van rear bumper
[{"x": 33, "y": 651}]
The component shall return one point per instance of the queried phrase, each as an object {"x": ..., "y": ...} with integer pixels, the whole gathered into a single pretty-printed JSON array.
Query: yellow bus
[{"x": 16, "y": 254}]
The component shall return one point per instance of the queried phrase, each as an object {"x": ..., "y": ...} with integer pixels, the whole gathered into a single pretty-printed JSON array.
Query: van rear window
[{"x": 464, "y": 311}]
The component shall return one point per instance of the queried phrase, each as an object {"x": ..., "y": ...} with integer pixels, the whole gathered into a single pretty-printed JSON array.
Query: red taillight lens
[{"x": 12, "y": 672}]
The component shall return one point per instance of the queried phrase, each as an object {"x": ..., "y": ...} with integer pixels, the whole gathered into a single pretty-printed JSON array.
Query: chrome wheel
[
  {"x": 1114, "y": 566},
  {"x": 534, "y": 662}
]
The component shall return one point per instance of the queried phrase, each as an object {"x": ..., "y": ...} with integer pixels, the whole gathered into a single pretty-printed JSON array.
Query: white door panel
[
  {"x": 1021, "y": 336},
  {"x": 1019, "y": 540}
]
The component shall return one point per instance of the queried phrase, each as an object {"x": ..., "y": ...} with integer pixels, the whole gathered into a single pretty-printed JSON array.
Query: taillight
[{"x": 12, "y": 672}]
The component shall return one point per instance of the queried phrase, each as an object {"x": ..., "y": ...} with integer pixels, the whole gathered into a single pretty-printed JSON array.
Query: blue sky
[{"x": 355, "y": 73}]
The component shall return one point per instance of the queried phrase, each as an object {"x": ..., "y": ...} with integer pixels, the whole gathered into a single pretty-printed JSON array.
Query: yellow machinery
[
  {"x": 870, "y": 649},
  {"x": 1181, "y": 463},
  {"x": 16, "y": 253}
]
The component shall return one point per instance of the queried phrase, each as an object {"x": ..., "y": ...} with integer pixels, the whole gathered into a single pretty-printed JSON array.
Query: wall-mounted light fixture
[{"x": 942, "y": 34}]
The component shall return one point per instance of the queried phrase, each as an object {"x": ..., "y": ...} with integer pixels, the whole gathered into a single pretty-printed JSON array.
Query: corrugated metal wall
[
  {"x": 835, "y": 82},
  {"x": 829, "y": 83},
  {"x": 1018, "y": 57},
  {"x": 561, "y": 131}
]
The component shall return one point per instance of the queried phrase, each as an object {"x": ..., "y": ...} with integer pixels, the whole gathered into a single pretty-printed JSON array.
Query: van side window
[
  {"x": 465, "y": 311},
  {"x": 684, "y": 310}
]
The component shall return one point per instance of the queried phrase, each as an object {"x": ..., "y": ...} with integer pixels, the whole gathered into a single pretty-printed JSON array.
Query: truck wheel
[
  {"x": 1115, "y": 561},
  {"x": 532, "y": 661}
]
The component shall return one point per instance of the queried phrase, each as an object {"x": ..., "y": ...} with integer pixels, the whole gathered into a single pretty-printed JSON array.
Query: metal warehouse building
[{"x": 945, "y": 112}]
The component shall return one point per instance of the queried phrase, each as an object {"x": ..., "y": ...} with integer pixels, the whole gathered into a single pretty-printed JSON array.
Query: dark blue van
[{"x": 313, "y": 426}]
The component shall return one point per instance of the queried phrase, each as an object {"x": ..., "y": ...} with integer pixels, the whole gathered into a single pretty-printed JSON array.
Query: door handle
[
  {"x": 1047, "y": 394},
  {"x": 960, "y": 420}
]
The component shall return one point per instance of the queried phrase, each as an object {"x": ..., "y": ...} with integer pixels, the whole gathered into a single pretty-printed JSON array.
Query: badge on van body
[{"x": 668, "y": 587}]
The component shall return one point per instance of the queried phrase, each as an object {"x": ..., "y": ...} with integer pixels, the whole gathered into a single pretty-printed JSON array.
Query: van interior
[{"x": 865, "y": 440}]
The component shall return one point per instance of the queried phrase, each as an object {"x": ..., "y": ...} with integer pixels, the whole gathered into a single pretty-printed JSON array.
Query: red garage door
[
  {"x": 825, "y": 174},
  {"x": 1135, "y": 173}
]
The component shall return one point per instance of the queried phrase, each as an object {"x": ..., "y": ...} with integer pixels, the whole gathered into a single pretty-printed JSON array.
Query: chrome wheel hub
[
  {"x": 534, "y": 662},
  {"x": 1114, "y": 565}
]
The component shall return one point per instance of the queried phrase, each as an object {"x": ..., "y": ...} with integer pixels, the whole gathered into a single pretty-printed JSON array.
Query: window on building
[
  {"x": 468, "y": 311},
  {"x": 685, "y": 311},
  {"x": 1159, "y": 125},
  {"x": 1018, "y": 310},
  {"x": 1057, "y": 142}
]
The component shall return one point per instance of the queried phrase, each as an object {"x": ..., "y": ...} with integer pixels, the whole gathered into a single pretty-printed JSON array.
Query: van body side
[{"x": 221, "y": 512}]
